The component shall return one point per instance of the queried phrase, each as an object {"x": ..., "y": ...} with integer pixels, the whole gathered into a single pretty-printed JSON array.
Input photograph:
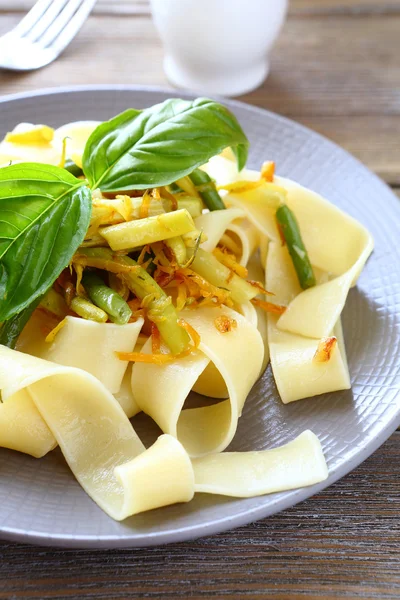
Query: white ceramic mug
[{"x": 218, "y": 46}]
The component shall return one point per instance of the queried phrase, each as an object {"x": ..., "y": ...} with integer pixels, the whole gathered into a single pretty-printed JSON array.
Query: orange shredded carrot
[
  {"x": 163, "y": 359},
  {"x": 191, "y": 331},
  {"x": 155, "y": 359},
  {"x": 229, "y": 260},
  {"x": 101, "y": 263},
  {"x": 166, "y": 194},
  {"x": 204, "y": 288},
  {"x": 260, "y": 287},
  {"x": 228, "y": 243},
  {"x": 268, "y": 171},
  {"x": 143, "y": 252},
  {"x": 155, "y": 339},
  {"x": 325, "y": 348},
  {"x": 145, "y": 205},
  {"x": 225, "y": 324},
  {"x": 181, "y": 298},
  {"x": 277, "y": 309},
  {"x": 50, "y": 336},
  {"x": 78, "y": 286}
]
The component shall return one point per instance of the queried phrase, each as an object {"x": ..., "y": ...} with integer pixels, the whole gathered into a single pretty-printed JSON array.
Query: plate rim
[{"x": 249, "y": 515}]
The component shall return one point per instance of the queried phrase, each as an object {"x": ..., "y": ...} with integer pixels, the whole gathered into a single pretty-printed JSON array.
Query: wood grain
[
  {"x": 297, "y": 7},
  {"x": 343, "y": 543},
  {"x": 332, "y": 74}
]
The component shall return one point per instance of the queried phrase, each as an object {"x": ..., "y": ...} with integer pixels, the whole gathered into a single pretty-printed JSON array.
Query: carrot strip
[
  {"x": 269, "y": 306},
  {"x": 325, "y": 348}
]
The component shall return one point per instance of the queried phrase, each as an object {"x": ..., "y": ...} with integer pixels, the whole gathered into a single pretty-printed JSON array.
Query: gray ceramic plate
[{"x": 41, "y": 502}]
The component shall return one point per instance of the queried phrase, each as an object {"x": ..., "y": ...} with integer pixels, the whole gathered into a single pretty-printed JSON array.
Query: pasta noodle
[
  {"x": 109, "y": 460},
  {"x": 138, "y": 321}
]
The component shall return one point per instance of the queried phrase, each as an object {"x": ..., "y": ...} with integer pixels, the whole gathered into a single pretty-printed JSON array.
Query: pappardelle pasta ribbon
[
  {"x": 71, "y": 407},
  {"x": 312, "y": 314},
  {"x": 71, "y": 389}
]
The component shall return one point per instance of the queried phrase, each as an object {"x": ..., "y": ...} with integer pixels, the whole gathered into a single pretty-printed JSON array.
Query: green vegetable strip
[
  {"x": 177, "y": 245},
  {"x": 11, "y": 329},
  {"x": 291, "y": 232},
  {"x": 87, "y": 310},
  {"x": 207, "y": 190},
  {"x": 161, "y": 309},
  {"x": 194, "y": 206},
  {"x": 106, "y": 298},
  {"x": 206, "y": 265},
  {"x": 133, "y": 234},
  {"x": 73, "y": 168},
  {"x": 174, "y": 188}
]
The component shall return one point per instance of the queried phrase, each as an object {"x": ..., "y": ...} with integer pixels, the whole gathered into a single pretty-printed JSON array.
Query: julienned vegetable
[
  {"x": 207, "y": 190},
  {"x": 206, "y": 265},
  {"x": 148, "y": 230},
  {"x": 159, "y": 305},
  {"x": 291, "y": 232},
  {"x": 87, "y": 310}
]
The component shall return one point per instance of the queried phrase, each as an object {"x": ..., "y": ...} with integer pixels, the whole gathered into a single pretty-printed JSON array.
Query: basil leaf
[
  {"x": 44, "y": 215},
  {"x": 156, "y": 146},
  {"x": 11, "y": 329}
]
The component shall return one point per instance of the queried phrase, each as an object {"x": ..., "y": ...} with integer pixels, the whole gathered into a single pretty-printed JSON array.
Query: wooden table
[{"x": 336, "y": 69}]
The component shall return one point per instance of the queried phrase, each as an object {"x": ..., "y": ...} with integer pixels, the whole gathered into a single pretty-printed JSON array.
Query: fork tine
[
  {"x": 71, "y": 28},
  {"x": 31, "y": 18},
  {"x": 46, "y": 20},
  {"x": 63, "y": 18}
]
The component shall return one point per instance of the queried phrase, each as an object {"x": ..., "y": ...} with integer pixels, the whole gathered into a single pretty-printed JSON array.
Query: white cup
[{"x": 218, "y": 46}]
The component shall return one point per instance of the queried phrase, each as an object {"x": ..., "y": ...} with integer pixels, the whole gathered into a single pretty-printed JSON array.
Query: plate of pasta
[{"x": 199, "y": 308}]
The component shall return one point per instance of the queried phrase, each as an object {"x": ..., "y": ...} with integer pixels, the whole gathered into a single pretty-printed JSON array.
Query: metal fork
[{"x": 43, "y": 33}]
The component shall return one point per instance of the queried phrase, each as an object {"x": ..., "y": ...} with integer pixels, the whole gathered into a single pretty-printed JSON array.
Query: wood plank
[
  {"x": 373, "y": 141},
  {"x": 356, "y": 103},
  {"x": 297, "y": 7},
  {"x": 342, "y": 543},
  {"x": 311, "y": 71},
  {"x": 343, "y": 7}
]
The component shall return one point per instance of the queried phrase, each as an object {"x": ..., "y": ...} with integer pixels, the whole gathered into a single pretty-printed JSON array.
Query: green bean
[
  {"x": 177, "y": 245},
  {"x": 194, "y": 206},
  {"x": 72, "y": 168},
  {"x": 161, "y": 310},
  {"x": 174, "y": 188},
  {"x": 149, "y": 230},
  {"x": 87, "y": 310},
  {"x": 291, "y": 232},
  {"x": 207, "y": 265},
  {"x": 11, "y": 329},
  {"x": 106, "y": 298},
  {"x": 207, "y": 190}
]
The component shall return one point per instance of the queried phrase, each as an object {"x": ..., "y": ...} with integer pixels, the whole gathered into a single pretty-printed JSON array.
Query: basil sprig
[
  {"x": 44, "y": 215},
  {"x": 158, "y": 145},
  {"x": 45, "y": 211}
]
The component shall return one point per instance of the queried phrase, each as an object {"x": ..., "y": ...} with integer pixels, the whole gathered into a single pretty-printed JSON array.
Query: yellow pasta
[{"x": 202, "y": 313}]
